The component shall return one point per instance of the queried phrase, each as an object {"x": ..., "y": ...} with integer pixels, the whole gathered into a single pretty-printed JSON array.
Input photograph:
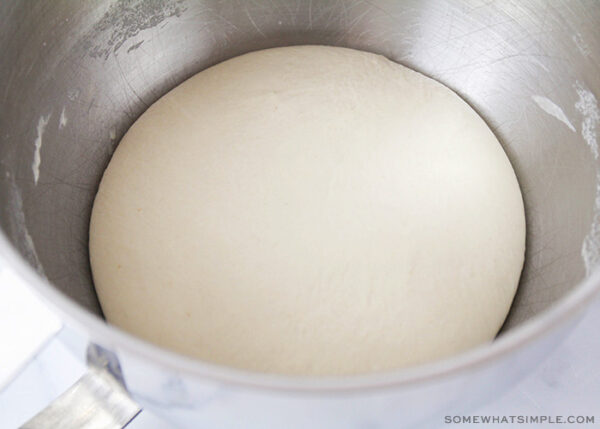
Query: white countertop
[{"x": 566, "y": 383}]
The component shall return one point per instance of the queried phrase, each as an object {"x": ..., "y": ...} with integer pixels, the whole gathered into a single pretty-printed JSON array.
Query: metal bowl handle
[{"x": 98, "y": 400}]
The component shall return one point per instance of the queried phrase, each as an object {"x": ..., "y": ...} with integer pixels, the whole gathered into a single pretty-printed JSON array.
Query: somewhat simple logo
[{"x": 519, "y": 419}]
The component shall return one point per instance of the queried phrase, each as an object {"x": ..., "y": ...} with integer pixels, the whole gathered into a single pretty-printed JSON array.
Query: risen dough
[{"x": 309, "y": 210}]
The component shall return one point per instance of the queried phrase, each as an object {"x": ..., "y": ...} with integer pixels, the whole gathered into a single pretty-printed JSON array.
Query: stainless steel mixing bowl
[{"x": 75, "y": 75}]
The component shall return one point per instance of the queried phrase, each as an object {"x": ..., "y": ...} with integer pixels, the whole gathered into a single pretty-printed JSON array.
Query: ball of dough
[{"x": 309, "y": 210}]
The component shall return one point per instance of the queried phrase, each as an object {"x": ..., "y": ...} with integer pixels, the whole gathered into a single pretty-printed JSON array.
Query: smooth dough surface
[{"x": 309, "y": 210}]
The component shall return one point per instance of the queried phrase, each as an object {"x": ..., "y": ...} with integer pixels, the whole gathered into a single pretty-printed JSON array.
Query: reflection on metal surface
[{"x": 552, "y": 109}]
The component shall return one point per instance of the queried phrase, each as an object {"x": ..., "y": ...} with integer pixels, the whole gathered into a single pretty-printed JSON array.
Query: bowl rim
[{"x": 113, "y": 338}]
